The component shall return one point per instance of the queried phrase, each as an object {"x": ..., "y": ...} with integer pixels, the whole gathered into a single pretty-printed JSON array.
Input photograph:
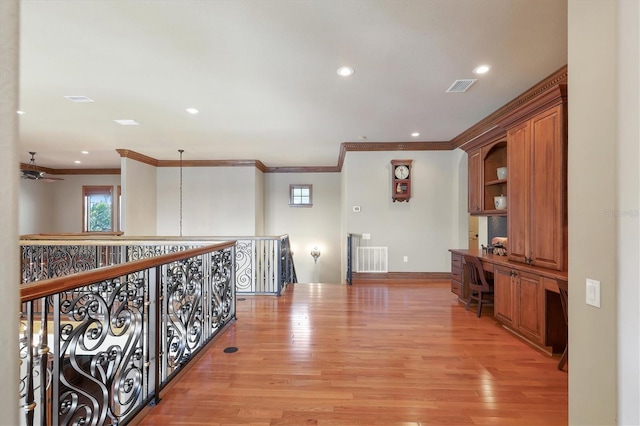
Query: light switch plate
[
  {"x": 366, "y": 236},
  {"x": 593, "y": 292}
]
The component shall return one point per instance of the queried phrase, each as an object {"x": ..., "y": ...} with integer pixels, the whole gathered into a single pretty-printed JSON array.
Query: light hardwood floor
[{"x": 369, "y": 354}]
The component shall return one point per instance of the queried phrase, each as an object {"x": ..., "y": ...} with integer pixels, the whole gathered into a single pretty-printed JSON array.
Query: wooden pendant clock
[{"x": 401, "y": 180}]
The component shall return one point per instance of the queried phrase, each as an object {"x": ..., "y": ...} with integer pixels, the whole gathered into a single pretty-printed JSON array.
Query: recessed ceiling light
[
  {"x": 345, "y": 71},
  {"x": 482, "y": 69},
  {"x": 77, "y": 161},
  {"x": 192, "y": 110},
  {"x": 19, "y": 112},
  {"x": 79, "y": 98},
  {"x": 84, "y": 152},
  {"x": 127, "y": 122},
  {"x": 415, "y": 134}
]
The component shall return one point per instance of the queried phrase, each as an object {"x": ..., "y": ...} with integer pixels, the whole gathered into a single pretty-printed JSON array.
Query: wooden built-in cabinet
[
  {"x": 484, "y": 184},
  {"x": 529, "y": 137},
  {"x": 519, "y": 302},
  {"x": 530, "y": 140},
  {"x": 475, "y": 181},
  {"x": 526, "y": 298},
  {"x": 537, "y": 216}
]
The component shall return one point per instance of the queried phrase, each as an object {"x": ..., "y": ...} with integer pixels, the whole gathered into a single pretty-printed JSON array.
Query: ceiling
[{"x": 262, "y": 73}]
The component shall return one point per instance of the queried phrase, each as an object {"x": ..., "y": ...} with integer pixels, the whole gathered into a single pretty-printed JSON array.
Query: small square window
[{"x": 300, "y": 195}]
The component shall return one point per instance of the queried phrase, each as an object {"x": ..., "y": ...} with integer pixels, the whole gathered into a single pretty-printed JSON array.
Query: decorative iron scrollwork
[
  {"x": 183, "y": 296},
  {"x": 244, "y": 271},
  {"x": 100, "y": 358}
]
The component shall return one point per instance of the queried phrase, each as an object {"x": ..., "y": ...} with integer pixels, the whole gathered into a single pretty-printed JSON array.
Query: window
[
  {"x": 300, "y": 196},
  {"x": 97, "y": 209}
]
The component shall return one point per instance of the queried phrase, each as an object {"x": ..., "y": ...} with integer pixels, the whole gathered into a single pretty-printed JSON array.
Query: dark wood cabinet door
[
  {"x": 547, "y": 196},
  {"x": 475, "y": 181},
  {"x": 504, "y": 296},
  {"x": 530, "y": 309},
  {"x": 519, "y": 141}
]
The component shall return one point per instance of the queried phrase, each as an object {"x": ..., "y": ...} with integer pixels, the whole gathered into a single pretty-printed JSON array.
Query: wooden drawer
[
  {"x": 456, "y": 261},
  {"x": 456, "y": 274},
  {"x": 456, "y": 288}
]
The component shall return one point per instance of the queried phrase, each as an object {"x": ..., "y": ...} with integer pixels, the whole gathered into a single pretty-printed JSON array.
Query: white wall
[
  {"x": 603, "y": 211},
  {"x": 216, "y": 201},
  {"x": 35, "y": 217},
  {"x": 67, "y": 204},
  {"x": 9, "y": 274},
  {"x": 138, "y": 198},
  {"x": 422, "y": 229},
  {"x": 56, "y": 207},
  {"x": 308, "y": 226},
  {"x": 628, "y": 232}
]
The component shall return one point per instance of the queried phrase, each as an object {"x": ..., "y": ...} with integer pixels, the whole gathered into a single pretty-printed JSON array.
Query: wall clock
[{"x": 401, "y": 180}]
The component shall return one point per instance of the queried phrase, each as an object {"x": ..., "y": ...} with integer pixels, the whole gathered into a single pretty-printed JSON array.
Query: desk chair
[{"x": 480, "y": 287}]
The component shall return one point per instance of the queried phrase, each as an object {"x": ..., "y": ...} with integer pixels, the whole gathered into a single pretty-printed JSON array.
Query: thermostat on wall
[{"x": 356, "y": 209}]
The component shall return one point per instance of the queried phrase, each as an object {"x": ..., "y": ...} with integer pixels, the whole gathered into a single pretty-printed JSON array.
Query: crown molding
[
  {"x": 25, "y": 166},
  {"x": 213, "y": 163},
  {"x": 484, "y": 129},
  {"x": 85, "y": 172},
  {"x": 127, "y": 153},
  {"x": 303, "y": 169},
  {"x": 389, "y": 146}
]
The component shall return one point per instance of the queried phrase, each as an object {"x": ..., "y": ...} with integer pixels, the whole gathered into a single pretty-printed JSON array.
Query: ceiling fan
[{"x": 32, "y": 172}]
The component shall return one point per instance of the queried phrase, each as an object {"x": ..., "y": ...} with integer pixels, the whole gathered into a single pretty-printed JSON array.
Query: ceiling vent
[
  {"x": 79, "y": 98},
  {"x": 460, "y": 86}
]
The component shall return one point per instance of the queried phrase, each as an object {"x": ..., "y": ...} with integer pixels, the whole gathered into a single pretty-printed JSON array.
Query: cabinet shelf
[
  {"x": 496, "y": 182},
  {"x": 495, "y": 212},
  {"x": 484, "y": 184}
]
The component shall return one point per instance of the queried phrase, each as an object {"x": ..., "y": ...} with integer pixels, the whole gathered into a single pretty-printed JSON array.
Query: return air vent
[
  {"x": 460, "y": 86},
  {"x": 372, "y": 259}
]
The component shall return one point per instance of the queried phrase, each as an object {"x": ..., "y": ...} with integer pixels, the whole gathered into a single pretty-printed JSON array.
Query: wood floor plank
[{"x": 401, "y": 353}]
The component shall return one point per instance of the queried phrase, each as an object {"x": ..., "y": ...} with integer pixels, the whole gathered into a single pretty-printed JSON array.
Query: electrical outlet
[
  {"x": 405, "y": 259},
  {"x": 366, "y": 236}
]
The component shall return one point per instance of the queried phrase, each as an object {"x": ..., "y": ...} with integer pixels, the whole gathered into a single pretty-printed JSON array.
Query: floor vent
[
  {"x": 372, "y": 259},
  {"x": 460, "y": 86}
]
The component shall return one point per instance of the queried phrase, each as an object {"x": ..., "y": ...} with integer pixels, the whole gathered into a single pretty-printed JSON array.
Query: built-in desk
[{"x": 526, "y": 298}]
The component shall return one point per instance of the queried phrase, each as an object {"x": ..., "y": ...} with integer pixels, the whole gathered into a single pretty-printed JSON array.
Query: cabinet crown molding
[{"x": 547, "y": 97}]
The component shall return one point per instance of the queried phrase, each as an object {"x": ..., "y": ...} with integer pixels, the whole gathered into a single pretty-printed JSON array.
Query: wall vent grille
[
  {"x": 460, "y": 86},
  {"x": 372, "y": 259}
]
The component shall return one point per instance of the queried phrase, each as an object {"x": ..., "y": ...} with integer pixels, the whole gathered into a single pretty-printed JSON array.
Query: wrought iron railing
[
  {"x": 263, "y": 265},
  {"x": 97, "y": 346}
]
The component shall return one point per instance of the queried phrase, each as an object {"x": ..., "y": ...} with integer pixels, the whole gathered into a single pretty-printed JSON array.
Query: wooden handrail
[
  {"x": 100, "y": 239},
  {"x": 39, "y": 289},
  {"x": 73, "y": 235}
]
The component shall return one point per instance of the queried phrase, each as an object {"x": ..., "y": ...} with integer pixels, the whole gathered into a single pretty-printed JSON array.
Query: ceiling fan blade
[{"x": 31, "y": 174}]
